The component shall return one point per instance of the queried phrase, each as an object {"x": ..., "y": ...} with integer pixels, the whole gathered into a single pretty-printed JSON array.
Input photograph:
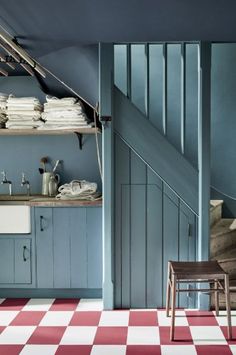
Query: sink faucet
[
  {"x": 5, "y": 181},
  {"x": 25, "y": 182}
]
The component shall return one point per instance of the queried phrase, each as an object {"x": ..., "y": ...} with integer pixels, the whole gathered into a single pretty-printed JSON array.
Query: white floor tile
[
  {"x": 180, "y": 319},
  {"x": 90, "y": 305},
  {"x": 16, "y": 335},
  {"x": 79, "y": 336},
  {"x": 143, "y": 336},
  {"x": 207, "y": 335},
  {"x": 233, "y": 349},
  {"x": 108, "y": 350},
  {"x": 114, "y": 318},
  {"x": 39, "y": 350},
  {"x": 38, "y": 304},
  {"x": 222, "y": 319},
  {"x": 178, "y": 350},
  {"x": 57, "y": 318},
  {"x": 6, "y": 317}
]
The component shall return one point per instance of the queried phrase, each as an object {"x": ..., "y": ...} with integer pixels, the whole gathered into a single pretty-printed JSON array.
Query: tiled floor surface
[{"x": 80, "y": 327}]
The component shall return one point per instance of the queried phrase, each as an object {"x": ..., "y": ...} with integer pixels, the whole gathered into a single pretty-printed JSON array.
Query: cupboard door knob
[
  {"x": 24, "y": 250},
  {"x": 41, "y": 224}
]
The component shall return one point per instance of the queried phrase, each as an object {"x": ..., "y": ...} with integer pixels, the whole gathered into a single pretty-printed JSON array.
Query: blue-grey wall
[
  {"x": 23, "y": 153},
  {"x": 223, "y": 111}
]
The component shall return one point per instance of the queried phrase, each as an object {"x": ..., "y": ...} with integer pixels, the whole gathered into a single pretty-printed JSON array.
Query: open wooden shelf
[{"x": 41, "y": 132}]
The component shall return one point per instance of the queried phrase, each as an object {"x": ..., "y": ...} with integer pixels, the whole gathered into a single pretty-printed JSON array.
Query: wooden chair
[{"x": 197, "y": 272}]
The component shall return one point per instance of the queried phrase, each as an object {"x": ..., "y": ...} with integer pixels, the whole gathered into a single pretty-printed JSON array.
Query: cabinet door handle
[
  {"x": 24, "y": 250},
  {"x": 41, "y": 224}
]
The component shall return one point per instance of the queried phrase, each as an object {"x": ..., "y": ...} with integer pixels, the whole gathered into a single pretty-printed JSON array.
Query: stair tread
[
  {"x": 221, "y": 227},
  {"x": 215, "y": 203}
]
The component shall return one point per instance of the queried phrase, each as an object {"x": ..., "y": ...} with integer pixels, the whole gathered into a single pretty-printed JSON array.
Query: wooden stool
[{"x": 201, "y": 271}]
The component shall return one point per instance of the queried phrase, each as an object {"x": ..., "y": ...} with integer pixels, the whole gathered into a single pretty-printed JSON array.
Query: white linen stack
[
  {"x": 65, "y": 113},
  {"x": 3, "y": 108},
  {"x": 23, "y": 113}
]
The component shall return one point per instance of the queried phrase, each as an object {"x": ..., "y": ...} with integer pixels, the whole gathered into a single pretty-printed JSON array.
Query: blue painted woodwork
[
  {"x": 151, "y": 226},
  {"x": 69, "y": 247},
  {"x": 165, "y": 161},
  {"x": 16, "y": 262},
  {"x": 106, "y": 79}
]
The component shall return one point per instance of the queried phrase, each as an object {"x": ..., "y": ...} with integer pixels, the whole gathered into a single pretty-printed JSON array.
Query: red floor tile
[
  {"x": 74, "y": 350},
  {"x": 182, "y": 336},
  {"x": 47, "y": 335},
  {"x": 13, "y": 304},
  {"x": 213, "y": 350},
  {"x": 111, "y": 335},
  {"x": 143, "y": 350},
  {"x": 225, "y": 332},
  {"x": 86, "y": 318},
  {"x": 68, "y": 304},
  {"x": 201, "y": 318},
  {"x": 28, "y": 318},
  {"x": 142, "y": 318},
  {"x": 10, "y": 349}
]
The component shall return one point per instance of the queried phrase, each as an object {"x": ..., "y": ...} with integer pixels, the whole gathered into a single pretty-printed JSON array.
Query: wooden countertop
[
  {"x": 44, "y": 201},
  {"x": 53, "y": 202}
]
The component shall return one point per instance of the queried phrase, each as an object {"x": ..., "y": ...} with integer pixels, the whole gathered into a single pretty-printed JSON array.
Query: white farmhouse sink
[{"x": 15, "y": 219}]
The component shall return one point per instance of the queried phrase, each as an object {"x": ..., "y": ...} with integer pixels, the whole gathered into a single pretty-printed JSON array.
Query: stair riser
[
  {"x": 223, "y": 244},
  {"x": 215, "y": 214}
]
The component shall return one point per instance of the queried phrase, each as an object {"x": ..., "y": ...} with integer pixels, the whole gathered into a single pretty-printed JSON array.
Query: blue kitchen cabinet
[
  {"x": 17, "y": 260},
  {"x": 69, "y": 247},
  {"x": 16, "y": 269}
]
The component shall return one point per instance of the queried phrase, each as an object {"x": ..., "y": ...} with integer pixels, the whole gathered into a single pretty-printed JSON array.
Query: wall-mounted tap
[
  {"x": 5, "y": 181},
  {"x": 25, "y": 182}
]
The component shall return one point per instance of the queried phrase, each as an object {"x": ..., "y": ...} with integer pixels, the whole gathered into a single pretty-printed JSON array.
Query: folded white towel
[
  {"x": 65, "y": 100},
  {"x": 79, "y": 189},
  {"x": 55, "y": 127}
]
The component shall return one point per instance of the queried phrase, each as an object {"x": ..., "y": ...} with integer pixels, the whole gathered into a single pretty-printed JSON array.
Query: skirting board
[{"x": 50, "y": 293}]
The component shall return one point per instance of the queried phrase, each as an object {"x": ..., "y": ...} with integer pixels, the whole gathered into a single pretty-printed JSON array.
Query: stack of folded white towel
[
  {"x": 79, "y": 190},
  {"x": 23, "y": 112},
  {"x": 65, "y": 113},
  {"x": 3, "y": 108}
]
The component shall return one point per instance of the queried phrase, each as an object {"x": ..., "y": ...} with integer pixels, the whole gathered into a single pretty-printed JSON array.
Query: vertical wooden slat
[
  {"x": 125, "y": 242},
  {"x": 94, "y": 246},
  {"x": 204, "y": 145},
  {"x": 154, "y": 246},
  {"x": 147, "y": 84},
  {"x": 61, "y": 247},
  {"x": 106, "y": 79},
  {"x": 183, "y": 96},
  {"x": 138, "y": 231},
  {"x": 170, "y": 235},
  {"x": 164, "y": 104},
  {"x": 129, "y": 85},
  {"x": 78, "y": 249}
]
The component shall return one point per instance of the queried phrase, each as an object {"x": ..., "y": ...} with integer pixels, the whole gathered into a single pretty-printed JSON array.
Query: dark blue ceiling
[
  {"x": 46, "y": 28},
  {"x": 48, "y": 25}
]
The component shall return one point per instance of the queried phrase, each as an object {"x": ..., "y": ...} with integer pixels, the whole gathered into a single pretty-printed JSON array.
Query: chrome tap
[
  {"x": 5, "y": 181},
  {"x": 25, "y": 182}
]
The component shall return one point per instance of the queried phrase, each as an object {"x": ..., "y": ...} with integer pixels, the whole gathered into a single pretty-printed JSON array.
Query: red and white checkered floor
[{"x": 72, "y": 326}]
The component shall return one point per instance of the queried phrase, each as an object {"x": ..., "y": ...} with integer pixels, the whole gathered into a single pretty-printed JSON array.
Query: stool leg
[
  {"x": 168, "y": 291},
  {"x": 227, "y": 300},
  {"x": 173, "y": 299},
  {"x": 216, "y": 298}
]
